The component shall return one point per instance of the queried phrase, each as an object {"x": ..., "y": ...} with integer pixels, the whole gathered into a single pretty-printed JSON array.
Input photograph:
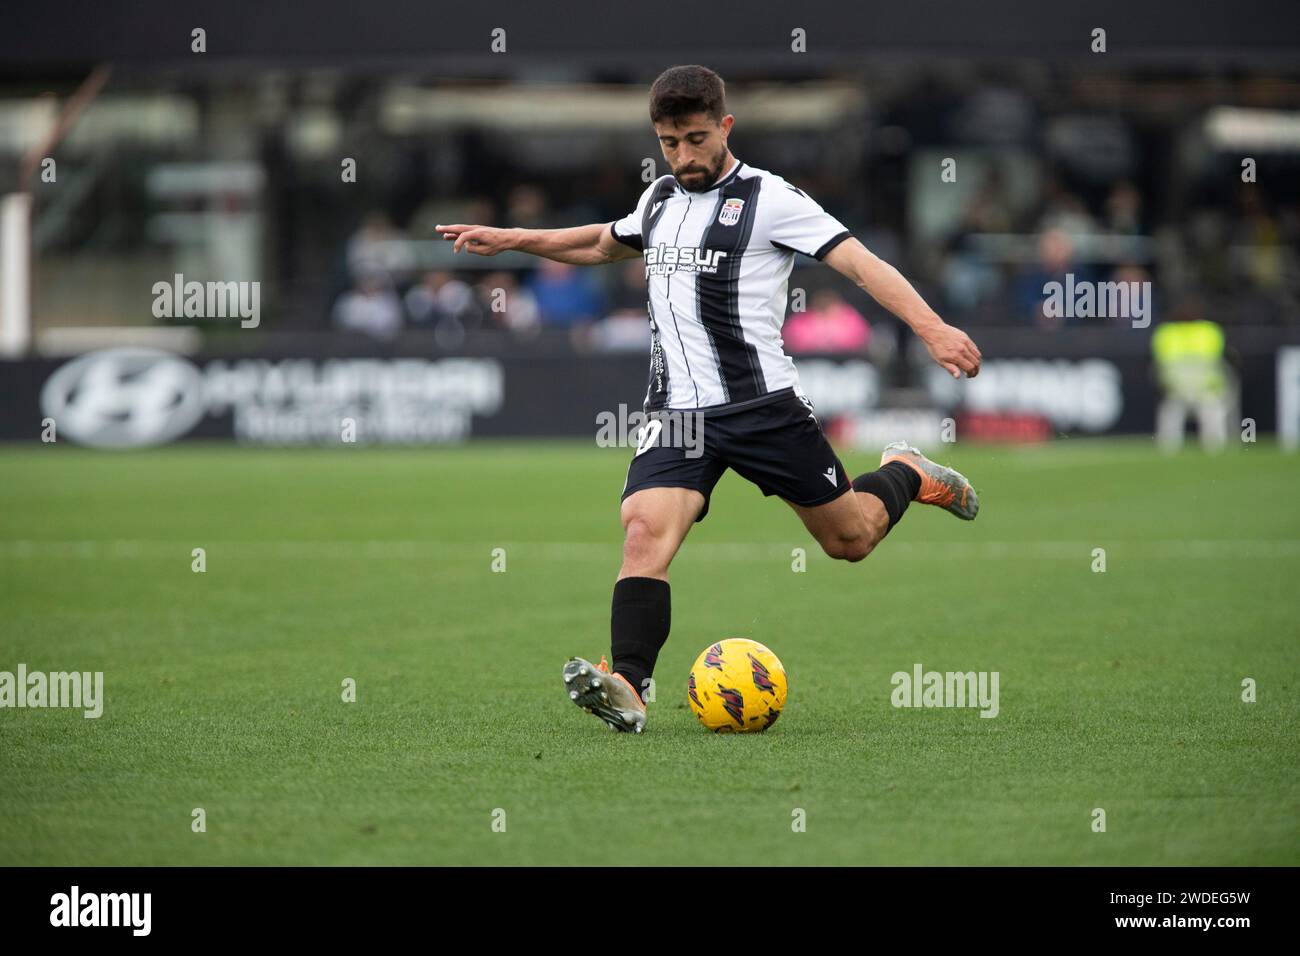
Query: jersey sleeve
[
  {"x": 628, "y": 229},
  {"x": 799, "y": 224}
]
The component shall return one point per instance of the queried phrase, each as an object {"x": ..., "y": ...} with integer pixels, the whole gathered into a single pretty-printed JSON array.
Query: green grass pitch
[{"x": 1119, "y": 690}]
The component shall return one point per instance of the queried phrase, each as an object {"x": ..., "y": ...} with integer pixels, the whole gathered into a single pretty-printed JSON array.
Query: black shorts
[{"x": 775, "y": 441}]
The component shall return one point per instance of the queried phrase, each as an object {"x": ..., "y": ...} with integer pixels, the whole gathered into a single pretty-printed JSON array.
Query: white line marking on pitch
[{"x": 333, "y": 550}]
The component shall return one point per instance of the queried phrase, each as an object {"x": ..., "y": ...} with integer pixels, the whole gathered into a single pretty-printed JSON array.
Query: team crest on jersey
[{"x": 729, "y": 214}]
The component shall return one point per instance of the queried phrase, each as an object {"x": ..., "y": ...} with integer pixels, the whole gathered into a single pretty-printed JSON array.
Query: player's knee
[
  {"x": 851, "y": 548},
  {"x": 643, "y": 545}
]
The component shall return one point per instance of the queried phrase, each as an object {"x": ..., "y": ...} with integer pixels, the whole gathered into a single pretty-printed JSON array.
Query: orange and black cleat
[
  {"x": 607, "y": 695},
  {"x": 939, "y": 485}
]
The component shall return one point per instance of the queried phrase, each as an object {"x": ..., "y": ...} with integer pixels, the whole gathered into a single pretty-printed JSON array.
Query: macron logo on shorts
[{"x": 830, "y": 475}]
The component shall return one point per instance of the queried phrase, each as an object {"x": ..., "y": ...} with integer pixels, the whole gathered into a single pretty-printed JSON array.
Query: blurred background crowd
[{"x": 980, "y": 182}]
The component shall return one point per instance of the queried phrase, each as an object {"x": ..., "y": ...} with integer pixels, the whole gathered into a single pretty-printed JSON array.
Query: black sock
[
  {"x": 894, "y": 483},
  {"x": 639, "y": 622}
]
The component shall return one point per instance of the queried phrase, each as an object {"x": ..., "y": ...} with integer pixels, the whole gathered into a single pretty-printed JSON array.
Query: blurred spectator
[
  {"x": 627, "y": 326},
  {"x": 1256, "y": 241},
  {"x": 378, "y": 250},
  {"x": 1063, "y": 211},
  {"x": 526, "y": 207},
  {"x": 440, "y": 297},
  {"x": 989, "y": 209},
  {"x": 1206, "y": 237},
  {"x": 566, "y": 295},
  {"x": 372, "y": 308},
  {"x": 478, "y": 210},
  {"x": 1124, "y": 209},
  {"x": 1132, "y": 273},
  {"x": 506, "y": 305},
  {"x": 1056, "y": 262},
  {"x": 628, "y": 294},
  {"x": 620, "y": 332},
  {"x": 830, "y": 325},
  {"x": 968, "y": 276}
]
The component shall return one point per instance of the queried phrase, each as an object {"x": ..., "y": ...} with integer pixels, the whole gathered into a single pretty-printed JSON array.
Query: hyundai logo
[{"x": 124, "y": 398}]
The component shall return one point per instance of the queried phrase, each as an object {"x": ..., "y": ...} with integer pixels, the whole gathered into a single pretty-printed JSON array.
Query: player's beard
[{"x": 703, "y": 182}]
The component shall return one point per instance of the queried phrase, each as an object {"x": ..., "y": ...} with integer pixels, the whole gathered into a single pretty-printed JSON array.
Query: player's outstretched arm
[
  {"x": 580, "y": 245},
  {"x": 949, "y": 346}
]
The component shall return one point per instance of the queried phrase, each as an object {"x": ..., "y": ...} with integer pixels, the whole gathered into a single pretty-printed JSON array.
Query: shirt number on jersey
[{"x": 649, "y": 433}]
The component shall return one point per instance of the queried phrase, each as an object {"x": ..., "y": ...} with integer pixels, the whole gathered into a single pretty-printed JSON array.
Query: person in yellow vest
[{"x": 1194, "y": 376}]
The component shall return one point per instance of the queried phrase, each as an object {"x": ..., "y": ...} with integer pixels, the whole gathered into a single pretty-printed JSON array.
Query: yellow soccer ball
[{"x": 737, "y": 686}]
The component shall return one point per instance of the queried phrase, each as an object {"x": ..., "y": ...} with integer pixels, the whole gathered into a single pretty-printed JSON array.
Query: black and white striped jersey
[{"x": 717, "y": 265}]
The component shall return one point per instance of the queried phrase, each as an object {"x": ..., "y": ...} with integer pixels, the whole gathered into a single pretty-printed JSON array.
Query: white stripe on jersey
[{"x": 717, "y": 268}]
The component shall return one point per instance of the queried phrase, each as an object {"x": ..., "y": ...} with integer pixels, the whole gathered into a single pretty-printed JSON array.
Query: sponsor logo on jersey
[
  {"x": 729, "y": 214},
  {"x": 662, "y": 260},
  {"x": 658, "y": 364}
]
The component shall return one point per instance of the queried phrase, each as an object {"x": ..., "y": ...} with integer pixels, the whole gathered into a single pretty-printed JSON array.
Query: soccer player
[{"x": 718, "y": 238}]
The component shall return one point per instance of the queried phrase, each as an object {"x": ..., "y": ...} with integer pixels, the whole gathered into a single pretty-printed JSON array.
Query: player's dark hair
[{"x": 685, "y": 90}]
